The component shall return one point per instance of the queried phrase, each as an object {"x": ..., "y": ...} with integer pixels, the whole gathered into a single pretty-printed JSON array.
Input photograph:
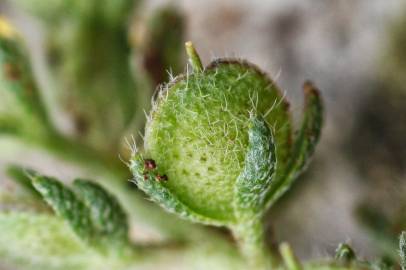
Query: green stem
[
  {"x": 289, "y": 258},
  {"x": 194, "y": 57},
  {"x": 251, "y": 240}
]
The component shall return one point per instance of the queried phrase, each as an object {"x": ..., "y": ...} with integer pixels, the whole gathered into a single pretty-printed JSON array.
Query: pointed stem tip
[{"x": 194, "y": 57}]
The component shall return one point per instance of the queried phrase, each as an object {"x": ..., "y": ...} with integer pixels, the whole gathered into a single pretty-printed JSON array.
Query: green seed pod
[
  {"x": 221, "y": 136},
  {"x": 204, "y": 119}
]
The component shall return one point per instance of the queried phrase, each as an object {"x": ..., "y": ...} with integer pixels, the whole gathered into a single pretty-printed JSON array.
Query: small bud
[{"x": 344, "y": 254}]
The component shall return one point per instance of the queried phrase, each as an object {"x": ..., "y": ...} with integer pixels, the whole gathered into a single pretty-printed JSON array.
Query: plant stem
[
  {"x": 289, "y": 258},
  {"x": 251, "y": 240}
]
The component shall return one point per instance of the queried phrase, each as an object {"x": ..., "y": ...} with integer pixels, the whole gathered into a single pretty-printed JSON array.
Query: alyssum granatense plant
[
  {"x": 219, "y": 148},
  {"x": 218, "y": 151}
]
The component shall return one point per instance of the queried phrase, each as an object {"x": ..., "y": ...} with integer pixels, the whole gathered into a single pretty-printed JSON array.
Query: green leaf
[
  {"x": 160, "y": 194},
  {"x": 250, "y": 190},
  {"x": 66, "y": 205},
  {"x": 93, "y": 213},
  {"x": 23, "y": 177},
  {"x": 304, "y": 144},
  {"x": 41, "y": 241},
  {"x": 107, "y": 215},
  {"x": 259, "y": 168}
]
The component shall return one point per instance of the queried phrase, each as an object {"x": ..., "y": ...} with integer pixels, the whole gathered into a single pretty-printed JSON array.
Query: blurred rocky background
[{"x": 354, "y": 51}]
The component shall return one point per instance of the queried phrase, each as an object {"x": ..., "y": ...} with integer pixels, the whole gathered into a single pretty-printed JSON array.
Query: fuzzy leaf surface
[
  {"x": 197, "y": 132},
  {"x": 258, "y": 172},
  {"x": 66, "y": 205},
  {"x": 107, "y": 215},
  {"x": 41, "y": 241},
  {"x": 161, "y": 195},
  {"x": 304, "y": 144},
  {"x": 22, "y": 176}
]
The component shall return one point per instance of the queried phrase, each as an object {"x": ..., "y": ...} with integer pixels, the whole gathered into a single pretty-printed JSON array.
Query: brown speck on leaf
[
  {"x": 11, "y": 71},
  {"x": 145, "y": 177},
  {"x": 161, "y": 178},
  {"x": 149, "y": 164}
]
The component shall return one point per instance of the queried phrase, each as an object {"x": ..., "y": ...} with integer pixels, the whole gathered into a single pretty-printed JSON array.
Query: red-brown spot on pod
[
  {"x": 149, "y": 164},
  {"x": 145, "y": 177},
  {"x": 161, "y": 178}
]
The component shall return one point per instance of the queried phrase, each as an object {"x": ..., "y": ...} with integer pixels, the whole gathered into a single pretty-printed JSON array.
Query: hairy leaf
[
  {"x": 23, "y": 177},
  {"x": 304, "y": 144},
  {"x": 107, "y": 215},
  {"x": 66, "y": 205},
  {"x": 41, "y": 241},
  {"x": 258, "y": 172}
]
